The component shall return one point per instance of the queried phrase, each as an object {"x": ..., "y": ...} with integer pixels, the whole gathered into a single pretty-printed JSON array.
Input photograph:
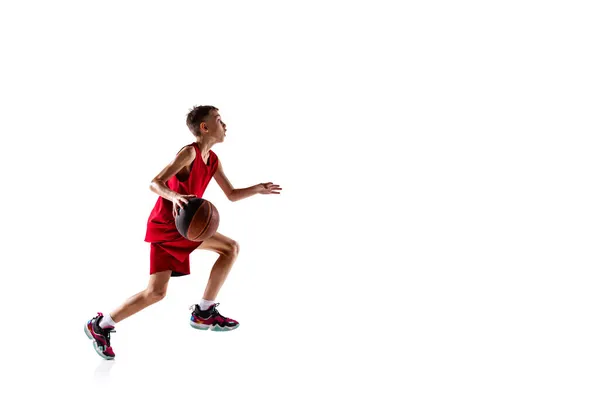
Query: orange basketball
[{"x": 198, "y": 220}]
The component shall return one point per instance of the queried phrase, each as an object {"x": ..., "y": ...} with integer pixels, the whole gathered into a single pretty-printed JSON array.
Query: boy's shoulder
[{"x": 189, "y": 148}]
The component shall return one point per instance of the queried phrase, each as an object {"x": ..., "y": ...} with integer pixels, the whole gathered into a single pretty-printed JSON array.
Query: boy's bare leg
[
  {"x": 206, "y": 316},
  {"x": 156, "y": 291},
  {"x": 228, "y": 250}
]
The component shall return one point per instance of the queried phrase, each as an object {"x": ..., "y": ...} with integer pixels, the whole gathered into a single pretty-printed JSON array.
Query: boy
[{"x": 185, "y": 177}]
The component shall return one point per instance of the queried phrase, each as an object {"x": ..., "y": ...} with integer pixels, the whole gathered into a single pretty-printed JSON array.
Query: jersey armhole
[{"x": 191, "y": 165}]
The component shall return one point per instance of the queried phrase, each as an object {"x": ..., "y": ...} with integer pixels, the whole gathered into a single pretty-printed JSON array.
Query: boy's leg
[
  {"x": 210, "y": 318},
  {"x": 99, "y": 331},
  {"x": 228, "y": 250},
  {"x": 156, "y": 291}
]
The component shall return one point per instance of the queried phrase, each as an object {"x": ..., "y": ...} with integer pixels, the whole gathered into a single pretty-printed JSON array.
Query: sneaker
[
  {"x": 211, "y": 319},
  {"x": 100, "y": 336}
]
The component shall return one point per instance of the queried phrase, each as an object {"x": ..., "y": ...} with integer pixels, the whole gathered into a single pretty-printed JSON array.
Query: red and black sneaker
[
  {"x": 211, "y": 319},
  {"x": 100, "y": 336}
]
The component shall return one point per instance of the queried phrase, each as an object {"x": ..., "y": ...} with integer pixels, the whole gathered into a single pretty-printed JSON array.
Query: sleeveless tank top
[{"x": 161, "y": 223}]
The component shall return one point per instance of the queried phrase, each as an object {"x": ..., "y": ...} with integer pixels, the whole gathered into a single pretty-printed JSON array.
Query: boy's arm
[
  {"x": 239, "y": 194},
  {"x": 158, "y": 185},
  {"x": 223, "y": 182}
]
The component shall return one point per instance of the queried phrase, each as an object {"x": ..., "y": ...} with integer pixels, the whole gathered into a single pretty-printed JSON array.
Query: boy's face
[{"x": 214, "y": 126}]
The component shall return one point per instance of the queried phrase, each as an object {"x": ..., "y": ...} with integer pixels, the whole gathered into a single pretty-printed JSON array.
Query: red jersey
[{"x": 161, "y": 223}]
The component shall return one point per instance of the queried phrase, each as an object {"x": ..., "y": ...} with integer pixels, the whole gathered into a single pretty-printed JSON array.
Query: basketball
[{"x": 198, "y": 220}]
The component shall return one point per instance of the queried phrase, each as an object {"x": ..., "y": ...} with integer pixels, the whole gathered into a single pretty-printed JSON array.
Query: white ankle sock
[
  {"x": 107, "y": 321},
  {"x": 205, "y": 304}
]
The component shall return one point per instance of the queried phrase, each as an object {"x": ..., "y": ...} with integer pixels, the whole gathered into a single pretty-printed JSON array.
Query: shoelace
[
  {"x": 106, "y": 332},
  {"x": 214, "y": 312}
]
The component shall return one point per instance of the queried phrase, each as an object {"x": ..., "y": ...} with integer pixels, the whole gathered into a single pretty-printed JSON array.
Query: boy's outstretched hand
[{"x": 268, "y": 188}]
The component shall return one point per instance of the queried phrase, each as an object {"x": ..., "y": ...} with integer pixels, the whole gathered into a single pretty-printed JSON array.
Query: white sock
[
  {"x": 205, "y": 304},
  {"x": 107, "y": 321}
]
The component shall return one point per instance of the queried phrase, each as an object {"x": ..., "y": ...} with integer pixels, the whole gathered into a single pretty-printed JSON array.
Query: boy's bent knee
[
  {"x": 232, "y": 249},
  {"x": 156, "y": 294}
]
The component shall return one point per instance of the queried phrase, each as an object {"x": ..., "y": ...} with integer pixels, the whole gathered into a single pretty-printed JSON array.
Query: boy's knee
[
  {"x": 233, "y": 249},
  {"x": 156, "y": 294}
]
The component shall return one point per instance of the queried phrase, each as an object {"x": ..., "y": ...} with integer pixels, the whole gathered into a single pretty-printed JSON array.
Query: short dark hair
[{"x": 197, "y": 115}]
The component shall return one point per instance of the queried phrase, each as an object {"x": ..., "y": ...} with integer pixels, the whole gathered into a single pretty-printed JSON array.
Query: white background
[{"x": 436, "y": 236}]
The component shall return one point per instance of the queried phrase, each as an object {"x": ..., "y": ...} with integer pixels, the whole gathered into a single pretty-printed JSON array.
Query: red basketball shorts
[{"x": 172, "y": 256}]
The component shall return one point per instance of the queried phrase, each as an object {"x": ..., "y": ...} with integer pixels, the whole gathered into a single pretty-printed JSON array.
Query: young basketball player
[{"x": 185, "y": 177}]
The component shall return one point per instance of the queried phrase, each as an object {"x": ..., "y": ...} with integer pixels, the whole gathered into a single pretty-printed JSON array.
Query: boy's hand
[
  {"x": 179, "y": 201},
  {"x": 268, "y": 188}
]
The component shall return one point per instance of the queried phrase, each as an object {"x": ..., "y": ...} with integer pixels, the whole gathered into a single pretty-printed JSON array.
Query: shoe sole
[
  {"x": 214, "y": 328},
  {"x": 98, "y": 349}
]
